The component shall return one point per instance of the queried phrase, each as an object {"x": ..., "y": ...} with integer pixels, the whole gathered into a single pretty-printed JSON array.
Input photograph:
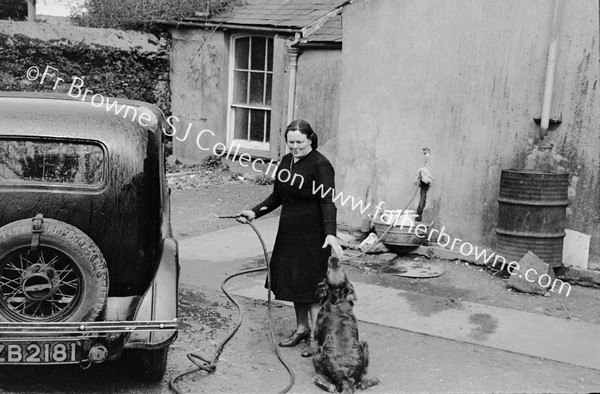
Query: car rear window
[{"x": 51, "y": 162}]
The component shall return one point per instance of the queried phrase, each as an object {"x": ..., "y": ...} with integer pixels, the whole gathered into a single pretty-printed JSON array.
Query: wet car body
[{"x": 97, "y": 179}]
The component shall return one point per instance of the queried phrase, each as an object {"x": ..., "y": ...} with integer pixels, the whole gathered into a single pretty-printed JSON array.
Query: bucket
[
  {"x": 399, "y": 234},
  {"x": 532, "y": 214}
]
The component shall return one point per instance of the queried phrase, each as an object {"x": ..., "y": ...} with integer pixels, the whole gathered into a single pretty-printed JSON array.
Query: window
[
  {"x": 50, "y": 162},
  {"x": 252, "y": 78}
]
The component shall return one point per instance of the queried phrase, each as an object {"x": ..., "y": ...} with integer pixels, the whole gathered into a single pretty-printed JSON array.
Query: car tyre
[
  {"x": 65, "y": 279},
  {"x": 151, "y": 364}
]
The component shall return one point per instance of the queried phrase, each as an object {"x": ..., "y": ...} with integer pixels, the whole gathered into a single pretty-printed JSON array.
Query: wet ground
[{"x": 464, "y": 282}]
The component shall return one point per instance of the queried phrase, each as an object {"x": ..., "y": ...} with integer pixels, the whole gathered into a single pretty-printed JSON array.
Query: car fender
[{"x": 159, "y": 303}]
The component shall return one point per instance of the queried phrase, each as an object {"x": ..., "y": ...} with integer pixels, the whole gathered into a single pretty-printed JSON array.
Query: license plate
[{"x": 39, "y": 352}]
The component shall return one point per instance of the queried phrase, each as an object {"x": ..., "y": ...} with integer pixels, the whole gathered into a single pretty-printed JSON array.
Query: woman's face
[{"x": 298, "y": 143}]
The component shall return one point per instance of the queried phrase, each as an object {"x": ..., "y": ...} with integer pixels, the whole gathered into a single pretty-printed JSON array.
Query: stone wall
[{"x": 112, "y": 62}]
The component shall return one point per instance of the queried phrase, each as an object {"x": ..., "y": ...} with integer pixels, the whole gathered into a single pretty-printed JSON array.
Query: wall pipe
[
  {"x": 551, "y": 68},
  {"x": 293, "y": 67},
  {"x": 293, "y": 53},
  {"x": 31, "y": 11}
]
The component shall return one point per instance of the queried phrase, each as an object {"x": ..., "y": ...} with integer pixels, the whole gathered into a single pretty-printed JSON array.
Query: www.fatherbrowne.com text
[{"x": 145, "y": 119}]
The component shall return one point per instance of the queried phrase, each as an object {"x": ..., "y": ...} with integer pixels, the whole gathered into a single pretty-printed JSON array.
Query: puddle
[
  {"x": 195, "y": 309},
  {"x": 486, "y": 324},
  {"x": 428, "y": 305}
]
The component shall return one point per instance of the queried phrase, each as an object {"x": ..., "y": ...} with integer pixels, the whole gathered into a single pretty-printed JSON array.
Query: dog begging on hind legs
[{"x": 340, "y": 359}]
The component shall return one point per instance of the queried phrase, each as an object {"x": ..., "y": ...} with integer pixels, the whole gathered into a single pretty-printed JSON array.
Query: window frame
[{"x": 264, "y": 146}]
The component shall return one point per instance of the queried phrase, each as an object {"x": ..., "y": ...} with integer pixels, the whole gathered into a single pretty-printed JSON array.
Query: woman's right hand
[{"x": 245, "y": 216}]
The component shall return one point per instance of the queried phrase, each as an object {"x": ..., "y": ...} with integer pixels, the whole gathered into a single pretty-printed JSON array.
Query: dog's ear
[
  {"x": 350, "y": 293},
  {"x": 322, "y": 289}
]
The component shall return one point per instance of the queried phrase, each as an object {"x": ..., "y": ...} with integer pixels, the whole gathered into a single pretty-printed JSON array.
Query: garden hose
[{"x": 204, "y": 364}]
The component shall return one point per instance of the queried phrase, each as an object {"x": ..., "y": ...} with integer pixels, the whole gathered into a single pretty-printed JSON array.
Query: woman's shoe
[{"x": 295, "y": 338}]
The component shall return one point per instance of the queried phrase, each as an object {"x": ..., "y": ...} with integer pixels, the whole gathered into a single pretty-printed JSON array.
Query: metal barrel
[{"x": 532, "y": 214}]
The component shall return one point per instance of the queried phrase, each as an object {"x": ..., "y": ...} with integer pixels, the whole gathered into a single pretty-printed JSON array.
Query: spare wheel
[{"x": 50, "y": 271}]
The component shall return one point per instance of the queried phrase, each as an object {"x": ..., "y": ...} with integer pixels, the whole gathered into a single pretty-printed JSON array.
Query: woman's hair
[{"x": 304, "y": 127}]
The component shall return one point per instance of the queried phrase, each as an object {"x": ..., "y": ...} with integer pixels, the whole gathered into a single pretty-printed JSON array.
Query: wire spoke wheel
[
  {"x": 64, "y": 279},
  {"x": 39, "y": 286}
]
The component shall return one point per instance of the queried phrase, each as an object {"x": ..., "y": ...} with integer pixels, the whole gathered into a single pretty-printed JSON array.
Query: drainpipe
[
  {"x": 293, "y": 53},
  {"x": 293, "y": 67},
  {"x": 31, "y": 10},
  {"x": 551, "y": 68}
]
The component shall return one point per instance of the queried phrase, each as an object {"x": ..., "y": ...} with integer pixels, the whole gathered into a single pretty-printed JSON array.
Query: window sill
[
  {"x": 254, "y": 145},
  {"x": 235, "y": 150}
]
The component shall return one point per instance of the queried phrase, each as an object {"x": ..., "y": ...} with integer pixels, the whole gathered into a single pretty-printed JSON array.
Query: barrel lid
[{"x": 535, "y": 172}]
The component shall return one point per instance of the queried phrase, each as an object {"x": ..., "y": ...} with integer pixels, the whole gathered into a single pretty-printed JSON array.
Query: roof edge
[
  {"x": 237, "y": 26},
  {"x": 317, "y": 24}
]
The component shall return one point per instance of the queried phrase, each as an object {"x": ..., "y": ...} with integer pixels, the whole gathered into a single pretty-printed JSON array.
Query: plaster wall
[
  {"x": 466, "y": 78},
  {"x": 317, "y": 91},
  {"x": 199, "y": 85}
]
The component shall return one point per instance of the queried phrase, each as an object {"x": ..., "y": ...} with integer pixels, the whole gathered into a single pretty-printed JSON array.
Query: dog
[{"x": 340, "y": 359}]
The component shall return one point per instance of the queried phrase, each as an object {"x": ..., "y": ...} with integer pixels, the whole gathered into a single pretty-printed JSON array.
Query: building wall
[
  {"x": 317, "y": 91},
  {"x": 466, "y": 78},
  {"x": 200, "y": 83},
  {"x": 199, "y": 80}
]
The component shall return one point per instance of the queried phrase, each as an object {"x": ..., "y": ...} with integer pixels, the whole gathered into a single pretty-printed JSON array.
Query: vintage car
[{"x": 88, "y": 264}]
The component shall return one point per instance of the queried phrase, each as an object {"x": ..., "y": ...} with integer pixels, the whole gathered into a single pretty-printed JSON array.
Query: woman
[{"x": 307, "y": 226}]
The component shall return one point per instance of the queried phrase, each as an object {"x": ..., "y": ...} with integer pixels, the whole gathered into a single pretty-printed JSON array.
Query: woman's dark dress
[{"x": 299, "y": 262}]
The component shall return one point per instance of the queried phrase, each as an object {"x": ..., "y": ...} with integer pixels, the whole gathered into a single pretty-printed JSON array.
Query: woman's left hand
[{"x": 332, "y": 241}]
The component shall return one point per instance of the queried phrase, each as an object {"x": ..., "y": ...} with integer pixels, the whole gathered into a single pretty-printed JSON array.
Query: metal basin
[{"x": 402, "y": 235}]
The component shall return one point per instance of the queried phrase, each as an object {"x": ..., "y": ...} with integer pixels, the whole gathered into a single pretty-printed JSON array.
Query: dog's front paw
[
  {"x": 324, "y": 383},
  {"x": 365, "y": 383}
]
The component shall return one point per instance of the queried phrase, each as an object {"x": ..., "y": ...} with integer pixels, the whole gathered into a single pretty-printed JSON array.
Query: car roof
[{"x": 60, "y": 115}]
